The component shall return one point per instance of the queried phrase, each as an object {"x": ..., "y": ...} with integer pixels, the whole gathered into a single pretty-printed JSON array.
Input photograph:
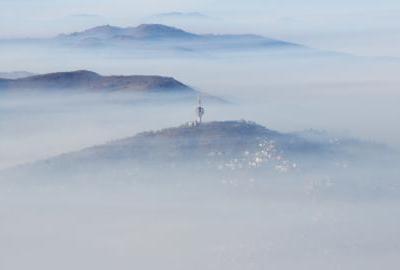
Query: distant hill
[
  {"x": 141, "y": 32},
  {"x": 91, "y": 81},
  {"x": 153, "y": 34}
]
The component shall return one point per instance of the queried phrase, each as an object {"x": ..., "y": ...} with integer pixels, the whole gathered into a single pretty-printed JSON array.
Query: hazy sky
[{"x": 358, "y": 26}]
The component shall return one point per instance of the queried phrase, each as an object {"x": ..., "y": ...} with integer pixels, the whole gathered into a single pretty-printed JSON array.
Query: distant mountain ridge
[
  {"x": 91, "y": 81},
  {"x": 143, "y": 31},
  {"x": 153, "y": 33}
]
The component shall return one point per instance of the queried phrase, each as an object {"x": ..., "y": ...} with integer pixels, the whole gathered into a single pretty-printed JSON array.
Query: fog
[
  {"x": 285, "y": 91},
  {"x": 115, "y": 215},
  {"x": 204, "y": 222},
  {"x": 123, "y": 229}
]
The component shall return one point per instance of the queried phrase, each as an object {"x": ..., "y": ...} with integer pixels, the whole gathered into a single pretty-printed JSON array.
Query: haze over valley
[{"x": 177, "y": 136}]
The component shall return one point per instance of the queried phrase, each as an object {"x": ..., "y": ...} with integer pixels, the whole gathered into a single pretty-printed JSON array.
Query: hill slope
[
  {"x": 91, "y": 81},
  {"x": 231, "y": 146}
]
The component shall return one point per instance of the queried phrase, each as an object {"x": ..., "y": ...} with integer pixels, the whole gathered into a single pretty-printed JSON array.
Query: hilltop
[{"x": 229, "y": 146}]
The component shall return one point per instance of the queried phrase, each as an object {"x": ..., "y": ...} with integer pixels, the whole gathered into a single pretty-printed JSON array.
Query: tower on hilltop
[{"x": 199, "y": 112}]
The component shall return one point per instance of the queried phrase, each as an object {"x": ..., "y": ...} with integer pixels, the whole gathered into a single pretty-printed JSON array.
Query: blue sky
[{"x": 359, "y": 26}]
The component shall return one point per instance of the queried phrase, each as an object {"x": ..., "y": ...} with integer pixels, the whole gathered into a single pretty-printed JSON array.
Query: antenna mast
[{"x": 199, "y": 111}]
